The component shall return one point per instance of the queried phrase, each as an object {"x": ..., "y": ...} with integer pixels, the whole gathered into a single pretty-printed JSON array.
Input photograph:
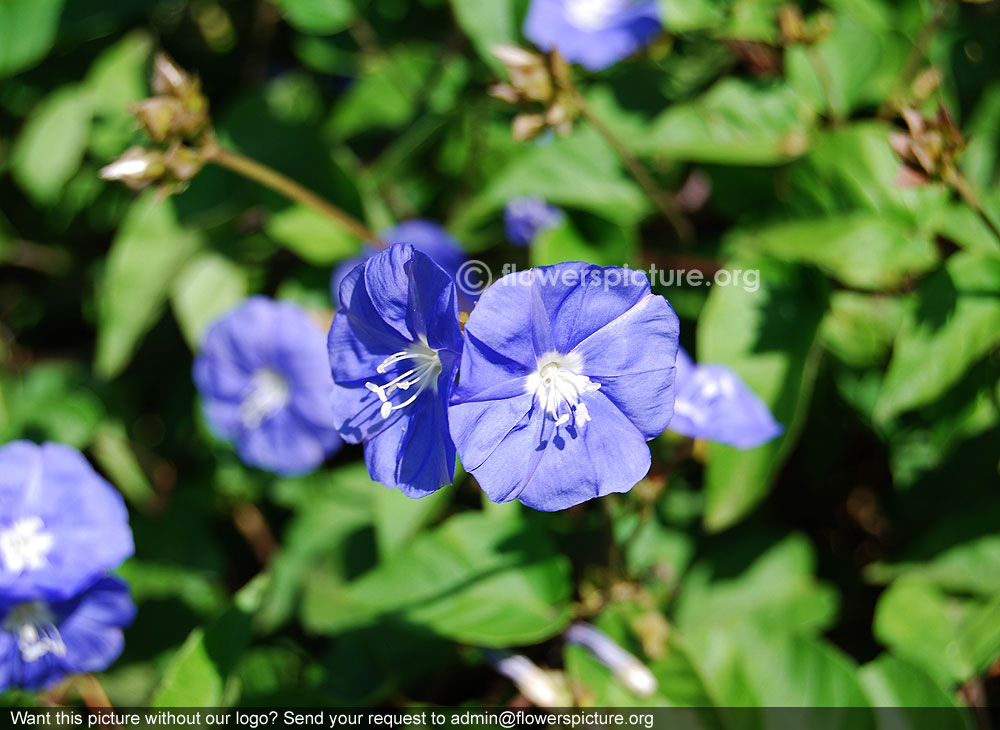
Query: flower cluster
[
  {"x": 548, "y": 391},
  {"x": 63, "y": 528}
]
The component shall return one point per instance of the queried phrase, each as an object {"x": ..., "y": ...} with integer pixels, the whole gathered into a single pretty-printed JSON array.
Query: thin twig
[
  {"x": 252, "y": 525},
  {"x": 663, "y": 201},
  {"x": 918, "y": 52},
  {"x": 280, "y": 183}
]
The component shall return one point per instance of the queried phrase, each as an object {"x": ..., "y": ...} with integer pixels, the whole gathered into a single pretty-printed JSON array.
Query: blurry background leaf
[
  {"x": 50, "y": 148},
  {"x": 205, "y": 288},
  {"x": 146, "y": 255},
  {"x": 27, "y": 30},
  {"x": 767, "y": 337}
]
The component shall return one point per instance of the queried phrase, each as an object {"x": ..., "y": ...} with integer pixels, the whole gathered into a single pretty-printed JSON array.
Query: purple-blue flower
[
  {"x": 593, "y": 33},
  {"x": 525, "y": 218},
  {"x": 424, "y": 235},
  {"x": 394, "y": 350},
  {"x": 567, "y": 371},
  {"x": 714, "y": 404},
  {"x": 61, "y": 524},
  {"x": 42, "y": 641},
  {"x": 265, "y": 386}
]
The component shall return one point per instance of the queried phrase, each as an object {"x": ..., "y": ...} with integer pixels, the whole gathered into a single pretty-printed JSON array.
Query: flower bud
[
  {"x": 527, "y": 126},
  {"x": 169, "y": 79},
  {"x": 183, "y": 162},
  {"x": 626, "y": 667},
  {"x": 529, "y": 72},
  {"x": 533, "y": 682},
  {"x": 137, "y": 168}
]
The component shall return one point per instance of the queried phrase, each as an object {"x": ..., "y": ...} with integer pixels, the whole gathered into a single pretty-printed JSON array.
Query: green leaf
[
  {"x": 487, "y": 25},
  {"x": 204, "y": 289},
  {"x": 50, "y": 147},
  {"x": 952, "y": 639},
  {"x": 146, "y": 255},
  {"x": 863, "y": 250},
  {"x": 960, "y": 223},
  {"x": 27, "y": 30},
  {"x": 50, "y": 403},
  {"x": 117, "y": 79},
  {"x": 777, "y": 592},
  {"x": 475, "y": 579},
  {"x": 399, "y": 519},
  {"x": 859, "y": 328},
  {"x": 892, "y": 682},
  {"x": 579, "y": 171},
  {"x": 112, "y": 450},
  {"x": 851, "y": 169},
  {"x": 682, "y": 16},
  {"x": 613, "y": 246},
  {"x": 852, "y": 66},
  {"x": 796, "y": 671},
  {"x": 318, "y": 17},
  {"x": 388, "y": 93},
  {"x": 197, "y": 673},
  {"x": 767, "y": 336},
  {"x": 734, "y": 123},
  {"x": 953, "y": 322},
  {"x": 311, "y": 235},
  {"x": 330, "y": 507},
  {"x": 972, "y": 566}
]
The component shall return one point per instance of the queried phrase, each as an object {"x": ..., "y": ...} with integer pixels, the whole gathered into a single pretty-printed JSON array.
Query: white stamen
[
  {"x": 267, "y": 394},
  {"x": 558, "y": 384},
  {"x": 25, "y": 545},
  {"x": 424, "y": 375},
  {"x": 33, "y": 625},
  {"x": 591, "y": 15}
]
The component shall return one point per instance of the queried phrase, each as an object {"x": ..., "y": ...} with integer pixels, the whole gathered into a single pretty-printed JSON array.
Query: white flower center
[
  {"x": 558, "y": 385},
  {"x": 25, "y": 545},
  {"x": 33, "y": 625},
  {"x": 267, "y": 394},
  {"x": 424, "y": 374},
  {"x": 591, "y": 15}
]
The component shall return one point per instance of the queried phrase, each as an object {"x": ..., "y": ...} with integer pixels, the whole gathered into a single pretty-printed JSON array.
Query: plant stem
[
  {"x": 280, "y": 183},
  {"x": 965, "y": 191},
  {"x": 663, "y": 201},
  {"x": 916, "y": 56}
]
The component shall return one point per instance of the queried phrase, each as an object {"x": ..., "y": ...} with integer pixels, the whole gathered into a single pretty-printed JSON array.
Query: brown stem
[
  {"x": 663, "y": 201},
  {"x": 280, "y": 183},
  {"x": 252, "y": 525},
  {"x": 965, "y": 191}
]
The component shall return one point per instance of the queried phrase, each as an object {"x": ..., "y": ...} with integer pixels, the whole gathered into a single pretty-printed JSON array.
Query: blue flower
[
  {"x": 394, "y": 350},
  {"x": 43, "y": 641},
  {"x": 525, "y": 218},
  {"x": 61, "y": 524},
  {"x": 424, "y": 235},
  {"x": 594, "y": 33},
  {"x": 567, "y": 371},
  {"x": 265, "y": 386},
  {"x": 713, "y": 403}
]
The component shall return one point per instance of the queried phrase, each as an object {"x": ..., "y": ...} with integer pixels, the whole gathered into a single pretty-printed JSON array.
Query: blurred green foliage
[{"x": 853, "y": 561}]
